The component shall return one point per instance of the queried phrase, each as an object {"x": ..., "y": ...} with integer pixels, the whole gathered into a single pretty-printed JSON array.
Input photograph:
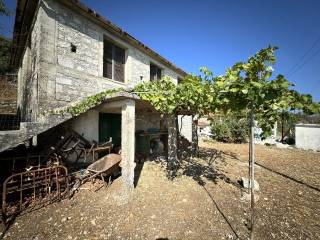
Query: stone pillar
[
  {"x": 172, "y": 145},
  {"x": 128, "y": 142}
]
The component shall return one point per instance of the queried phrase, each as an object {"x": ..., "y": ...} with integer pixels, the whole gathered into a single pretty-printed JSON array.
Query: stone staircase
[
  {"x": 12, "y": 138},
  {"x": 27, "y": 130}
]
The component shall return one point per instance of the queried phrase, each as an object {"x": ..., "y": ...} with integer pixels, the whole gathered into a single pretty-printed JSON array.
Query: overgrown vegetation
[
  {"x": 89, "y": 102},
  {"x": 5, "y": 43},
  {"x": 230, "y": 129},
  {"x": 245, "y": 87},
  {"x": 5, "y": 46}
]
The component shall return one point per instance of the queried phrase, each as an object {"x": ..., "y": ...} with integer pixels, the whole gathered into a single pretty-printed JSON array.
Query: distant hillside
[
  {"x": 8, "y": 95},
  {"x": 8, "y": 85},
  {"x": 5, "y": 47}
]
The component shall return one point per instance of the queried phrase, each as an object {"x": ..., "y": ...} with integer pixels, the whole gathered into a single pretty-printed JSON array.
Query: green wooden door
[{"x": 110, "y": 126}]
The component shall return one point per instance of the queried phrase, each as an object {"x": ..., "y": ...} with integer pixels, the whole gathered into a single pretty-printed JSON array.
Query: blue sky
[{"x": 217, "y": 34}]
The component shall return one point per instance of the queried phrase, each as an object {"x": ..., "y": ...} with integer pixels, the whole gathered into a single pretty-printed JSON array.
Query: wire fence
[
  {"x": 9, "y": 117},
  {"x": 8, "y": 86}
]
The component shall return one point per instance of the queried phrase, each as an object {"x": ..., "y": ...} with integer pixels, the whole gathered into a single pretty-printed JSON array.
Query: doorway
[{"x": 110, "y": 126}]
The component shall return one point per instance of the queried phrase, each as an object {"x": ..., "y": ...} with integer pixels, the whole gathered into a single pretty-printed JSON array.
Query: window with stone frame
[
  {"x": 155, "y": 72},
  {"x": 113, "y": 61}
]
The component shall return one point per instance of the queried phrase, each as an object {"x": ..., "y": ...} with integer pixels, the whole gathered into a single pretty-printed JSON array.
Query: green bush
[{"x": 230, "y": 130}]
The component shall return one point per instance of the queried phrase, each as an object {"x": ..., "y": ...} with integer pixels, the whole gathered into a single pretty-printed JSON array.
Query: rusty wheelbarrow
[{"x": 104, "y": 166}]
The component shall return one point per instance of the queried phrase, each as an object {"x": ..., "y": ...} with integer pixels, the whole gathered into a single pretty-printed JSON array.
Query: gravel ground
[{"x": 205, "y": 201}]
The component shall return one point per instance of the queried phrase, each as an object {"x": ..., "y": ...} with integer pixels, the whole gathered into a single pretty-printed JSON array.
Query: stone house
[{"x": 65, "y": 52}]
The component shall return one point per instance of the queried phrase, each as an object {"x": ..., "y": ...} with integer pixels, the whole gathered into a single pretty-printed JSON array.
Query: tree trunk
[
  {"x": 172, "y": 146},
  {"x": 251, "y": 170},
  {"x": 177, "y": 129},
  {"x": 195, "y": 139}
]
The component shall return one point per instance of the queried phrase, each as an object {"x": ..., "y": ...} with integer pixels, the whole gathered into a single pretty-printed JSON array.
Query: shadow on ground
[
  {"x": 234, "y": 156},
  {"x": 204, "y": 167}
]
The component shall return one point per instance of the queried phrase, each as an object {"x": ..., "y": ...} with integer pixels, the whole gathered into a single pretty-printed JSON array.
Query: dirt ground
[{"x": 205, "y": 201}]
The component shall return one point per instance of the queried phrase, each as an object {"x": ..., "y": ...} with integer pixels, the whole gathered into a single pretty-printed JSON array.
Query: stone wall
[
  {"x": 27, "y": 100},
  {"x": 52, "y": 76},
  {"x": 74, "y": 29},
  {"x": 87, "y": 125},
  {"x": 71, "y": 86},
  {"x": 88, "y": 39},
  {"x": 145, "y": 120},
  {"x": 24, "y": 86},
  {"x": 87, "y": 61}
]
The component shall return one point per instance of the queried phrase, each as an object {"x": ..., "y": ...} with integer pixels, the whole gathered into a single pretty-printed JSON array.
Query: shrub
[{"x": 230, "y": 130}]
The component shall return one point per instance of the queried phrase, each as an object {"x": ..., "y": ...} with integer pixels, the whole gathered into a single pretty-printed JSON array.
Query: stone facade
[
  {"x": 145, "y": 120},
  {"x": 27, "y": 100},
  {"x": 63, "y": 63},
  {"x": 74, "y": 29},
  {"x": 51, "y": 75}
]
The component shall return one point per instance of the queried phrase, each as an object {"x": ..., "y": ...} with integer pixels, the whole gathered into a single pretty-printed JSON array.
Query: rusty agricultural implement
[
  {"x": 105, "y": 166},
  {"x": 33, "y": 188}
]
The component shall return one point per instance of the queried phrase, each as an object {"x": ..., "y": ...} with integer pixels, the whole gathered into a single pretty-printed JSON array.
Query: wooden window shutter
[
  {"x": 119, "y": 61},
  {"x": 153, "y": 72},
  {"x": 158, "y": 73},
  {"x": 107, "y": 59}
]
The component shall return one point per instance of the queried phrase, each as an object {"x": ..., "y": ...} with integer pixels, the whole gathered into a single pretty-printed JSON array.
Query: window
[
  {"x": 73, "y": 48},
  {"x": 113, "y": 61},
  {"x": 155, "y": 72},
  {"x": 179, "y": 80}
]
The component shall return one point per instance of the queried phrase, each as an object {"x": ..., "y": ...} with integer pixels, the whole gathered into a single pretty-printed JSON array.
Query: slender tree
[{"x": 247, "y": 86}]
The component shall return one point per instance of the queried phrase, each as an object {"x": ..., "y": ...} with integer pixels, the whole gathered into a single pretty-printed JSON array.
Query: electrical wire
[
  {"x": 305, "y": 62},
  {"x": 302, "y": 60}
]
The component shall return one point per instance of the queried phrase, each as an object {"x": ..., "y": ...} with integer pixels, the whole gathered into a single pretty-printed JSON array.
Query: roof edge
[
  {"x": 108, "y": 25},
  {"x": 21, "y": 10}
]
